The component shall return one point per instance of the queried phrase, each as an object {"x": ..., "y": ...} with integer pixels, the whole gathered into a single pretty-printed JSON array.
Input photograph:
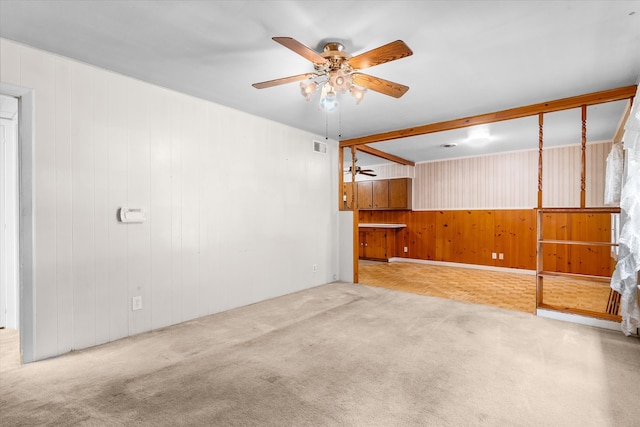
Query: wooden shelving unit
[{"x": 541, "y": 273}]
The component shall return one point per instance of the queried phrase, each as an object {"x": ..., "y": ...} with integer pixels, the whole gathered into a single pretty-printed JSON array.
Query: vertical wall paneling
[
  {"x": 596, "y": 170},
  {"x": 10, "y": 62},
  {"x": 83, "y": 205},
  {"x": 216, "y": 191},
  {"x": 138, "y": 184},
  {"x": 101, "y": 206},
  {"x": 239, "y": 208},
  {"x": 470, "y": 237},
  {"x": 561, "y": 177},
  {"x": 160, "y": 207},
  {"x": 176, "y": 210},
  {"x": 515, "y": 237},
  {"x": 191, "y": 133},
  {"x": 38, "y": 72},
  {"x": 509, "y": 180},
  {"x": 64, "y": 222},
  {"x": 207, "y": 292},
  {"x": 117, "y": 247}
]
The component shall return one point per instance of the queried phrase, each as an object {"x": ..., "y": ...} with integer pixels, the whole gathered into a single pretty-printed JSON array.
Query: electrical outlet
[
  {"x": 494, "y": 255},
  {"x": 315, "y": 268},
  {"x": 136, "y": 303},
  {"x": 501, "y": 256},
  {"x": 406, "y": 249}
]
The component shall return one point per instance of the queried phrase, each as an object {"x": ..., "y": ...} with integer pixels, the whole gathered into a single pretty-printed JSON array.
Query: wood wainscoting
[{"x": 472, "y": 236}]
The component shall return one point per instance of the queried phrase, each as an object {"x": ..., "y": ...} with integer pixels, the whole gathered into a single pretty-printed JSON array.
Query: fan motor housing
[{"x": 334, "y": 52}]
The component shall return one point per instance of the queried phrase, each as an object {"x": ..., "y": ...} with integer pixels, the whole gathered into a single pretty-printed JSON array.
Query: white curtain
[
  {"x": 614, "y": 174},
  {"x": 625, "y": 276}
]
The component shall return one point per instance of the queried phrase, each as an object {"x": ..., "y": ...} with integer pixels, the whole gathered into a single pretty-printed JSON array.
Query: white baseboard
[
  {"x": 460, "y": 265},
  {"x": 576, "y": 318}
]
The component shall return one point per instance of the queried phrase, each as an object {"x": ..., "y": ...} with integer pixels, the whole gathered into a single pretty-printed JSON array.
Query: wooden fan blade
[
  {"x": 300, "y": 49},
  {"x": 387, "y": 53},
  {"x": 367, "y": 173},
  {"x": 283, "y": 81},
  {"x": 379, "y": 85}
]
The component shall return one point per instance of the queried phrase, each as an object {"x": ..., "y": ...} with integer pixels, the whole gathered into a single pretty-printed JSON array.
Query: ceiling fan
[
  {"x": 336, "y": 71},
  {"x": 359, "y": 170}
]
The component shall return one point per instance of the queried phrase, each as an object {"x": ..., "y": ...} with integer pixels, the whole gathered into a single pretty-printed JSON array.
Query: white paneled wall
[{"x": 239, "y": 208}]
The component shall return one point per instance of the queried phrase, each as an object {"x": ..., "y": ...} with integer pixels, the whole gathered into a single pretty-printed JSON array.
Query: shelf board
[
  {"x": 603, "y": 279},
  {"x": 576, "y": 242},
  {"x": 589, "y": 313},
  {"x": 579, "y": 210}
]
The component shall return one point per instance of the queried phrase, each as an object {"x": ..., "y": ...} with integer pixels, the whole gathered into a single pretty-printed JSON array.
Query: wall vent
[{"x": 320, "y": 147}]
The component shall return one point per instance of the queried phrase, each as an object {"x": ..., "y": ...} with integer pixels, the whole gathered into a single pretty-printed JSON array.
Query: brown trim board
[{"x": 601, "y": 97}]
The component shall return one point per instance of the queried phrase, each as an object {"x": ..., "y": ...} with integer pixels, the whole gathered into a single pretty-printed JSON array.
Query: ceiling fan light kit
[{"x": 336, "y": 72}]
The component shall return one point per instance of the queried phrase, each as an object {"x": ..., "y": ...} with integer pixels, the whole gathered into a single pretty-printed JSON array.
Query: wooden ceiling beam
[
  {"x": 382, "y": 154},
  {"x": 601, "y": 97},
  {"x": 617, "y": 137}
]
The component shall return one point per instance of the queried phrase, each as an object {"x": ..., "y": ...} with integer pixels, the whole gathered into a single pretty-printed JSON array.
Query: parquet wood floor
[{"x": 512, "y": 291}]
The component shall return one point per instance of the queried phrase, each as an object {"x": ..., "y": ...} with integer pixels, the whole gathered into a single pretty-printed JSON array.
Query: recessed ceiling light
[{"x": 448, "y": 145}]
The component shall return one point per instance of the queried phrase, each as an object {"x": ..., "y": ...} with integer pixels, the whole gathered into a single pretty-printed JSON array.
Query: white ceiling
[{"x": 470, "y": 57}]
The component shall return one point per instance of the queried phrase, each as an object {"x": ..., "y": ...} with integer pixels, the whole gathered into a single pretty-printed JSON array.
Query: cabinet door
[
  {"x": 363, "y": 239},
  {"x": 376, "y": 244},
  {"x": 365, "y": 195},
  {"x": 400, "y": 193},
  {"x": 381, "y": 194}
]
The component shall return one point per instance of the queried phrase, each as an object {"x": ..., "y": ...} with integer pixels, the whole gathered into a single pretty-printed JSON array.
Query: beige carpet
[{"x": 339, "y": 355}]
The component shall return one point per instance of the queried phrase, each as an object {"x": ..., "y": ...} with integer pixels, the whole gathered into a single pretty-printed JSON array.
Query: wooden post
[
  {"x": 356, "y": 220},
  {"x": 539, "y": 246},
  {"x": 539, "y": 258},
  {"x": 540, "y": 135},
  {"x": 583, "y": 174}
]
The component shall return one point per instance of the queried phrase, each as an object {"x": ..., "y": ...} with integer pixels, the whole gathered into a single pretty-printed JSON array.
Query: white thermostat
[{"x": 131, "y": 215}]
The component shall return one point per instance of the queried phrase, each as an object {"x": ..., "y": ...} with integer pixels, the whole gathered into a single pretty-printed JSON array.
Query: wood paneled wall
[
  {"x": 471, "y": 236},
  {"x": 587, "y": 227}
]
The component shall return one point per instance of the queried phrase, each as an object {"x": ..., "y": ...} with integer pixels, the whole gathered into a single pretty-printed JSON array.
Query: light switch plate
[{"x": 136, "y": 303}]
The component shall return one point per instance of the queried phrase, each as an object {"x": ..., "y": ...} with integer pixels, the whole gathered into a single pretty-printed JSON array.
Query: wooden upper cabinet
[
  {"x": 365, "y": 195},
  {"x": 381, "y": 194},
  {"x": 400, "y": 193}
]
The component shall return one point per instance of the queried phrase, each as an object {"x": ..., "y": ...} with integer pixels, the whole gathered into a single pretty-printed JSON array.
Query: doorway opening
[{"x": 9, "y": 229}]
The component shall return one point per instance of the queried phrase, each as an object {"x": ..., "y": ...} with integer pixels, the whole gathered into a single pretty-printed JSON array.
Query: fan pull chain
[{"x": 326, "y": 126}]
